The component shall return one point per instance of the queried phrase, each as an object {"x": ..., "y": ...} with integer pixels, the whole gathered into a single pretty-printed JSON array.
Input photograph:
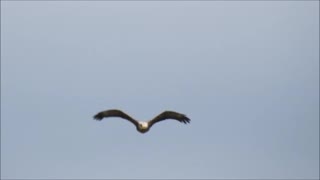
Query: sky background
[{"x": 246, "y": 73}]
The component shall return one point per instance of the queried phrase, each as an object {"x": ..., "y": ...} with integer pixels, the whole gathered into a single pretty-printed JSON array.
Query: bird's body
[{"x": 143, "y": 126}]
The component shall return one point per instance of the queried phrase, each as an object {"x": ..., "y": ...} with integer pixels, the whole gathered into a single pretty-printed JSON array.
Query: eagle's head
[{"x": 143, "y": 127}]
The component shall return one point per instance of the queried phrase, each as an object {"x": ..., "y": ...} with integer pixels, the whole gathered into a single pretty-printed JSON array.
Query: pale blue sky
[{"x": 246, "y": 73}]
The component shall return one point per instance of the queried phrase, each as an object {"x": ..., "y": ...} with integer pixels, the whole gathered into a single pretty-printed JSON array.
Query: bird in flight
[{"x": 142, "y": 126}]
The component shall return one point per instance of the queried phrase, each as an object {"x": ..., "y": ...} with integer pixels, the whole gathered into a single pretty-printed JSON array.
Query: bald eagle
[{"x": 142, "y": 126}]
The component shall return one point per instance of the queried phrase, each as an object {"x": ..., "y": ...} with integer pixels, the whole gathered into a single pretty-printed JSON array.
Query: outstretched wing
[
  {"x": 170, "y": 115},
  {"x": 114, "y": 113}
]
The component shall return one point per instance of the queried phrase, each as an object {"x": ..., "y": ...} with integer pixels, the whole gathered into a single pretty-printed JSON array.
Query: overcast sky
[{"x": 246, "y": 74}]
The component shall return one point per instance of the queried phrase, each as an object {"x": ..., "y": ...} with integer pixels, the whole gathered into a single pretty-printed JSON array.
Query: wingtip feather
[
  {"x": 98, "y": 117},
  {"x": 186, "y": 120}
]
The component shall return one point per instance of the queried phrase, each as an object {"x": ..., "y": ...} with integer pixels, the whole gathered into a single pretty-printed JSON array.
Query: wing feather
[
  {"x": 114, "y": 113},
  {"x": 170, "y": 115}
]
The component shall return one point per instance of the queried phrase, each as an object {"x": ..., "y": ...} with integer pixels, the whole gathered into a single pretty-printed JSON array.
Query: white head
[{"x": 143, "y": 125}]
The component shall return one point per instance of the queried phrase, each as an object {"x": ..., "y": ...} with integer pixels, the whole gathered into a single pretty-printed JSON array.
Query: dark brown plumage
[{"x": 140, "y": 125}]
